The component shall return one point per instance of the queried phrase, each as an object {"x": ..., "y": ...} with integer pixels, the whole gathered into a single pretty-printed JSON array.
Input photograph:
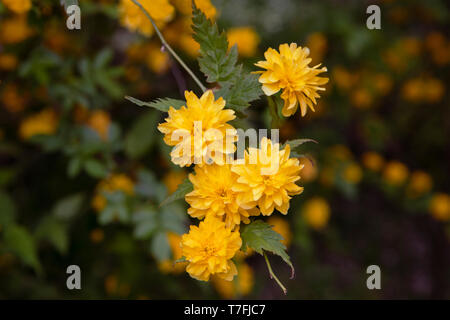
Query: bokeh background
[{"x": 82, "y": 170}]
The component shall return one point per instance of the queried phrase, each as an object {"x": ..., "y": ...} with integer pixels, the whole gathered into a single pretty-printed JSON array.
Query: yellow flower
[
  {"x": 173, "y": 179},
  {"x": 213, "y": 195},
  {"x": 18, "y": 6},
  {"x": 13, "y": 100},
  {"x": 8, "y": 62},
  {"x": 288, "y": 71},
  {"x": 440, "y": 207},
  {"x": 116, "y": 182},
  {"x": 14, "y": 30},
  {"x": 179, "y": 34},
  {"x": 372, "y": 161},
  {"x": 185, "y": 7},
  {"x": 395, "y": 173},
  {"x": 42, "y": 123},
  {"x": 281, "y": 226},
  {"x": 202, "y": 128},
  {"x": 316, "y": 212},
  {"x": 100, "y": 121},
  {"x": 352, "y": 173},
  {"x": 134, "y": 19},
  {"x": 383, "y": 83},
  {"x": 361, "y": 98},
  {"x": 241, "y": 286},
  {"x": 419, "y": 184},
  {"x": 268, "y": 177},
  {"x": 246, "y": 39},
  {"x": 209, "y": 249},
  {"x": 309, "y": 171},
  {"x": 157, "y": 60}
]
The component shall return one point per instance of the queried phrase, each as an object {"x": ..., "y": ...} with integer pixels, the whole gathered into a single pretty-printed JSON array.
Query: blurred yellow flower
[
  {"x": 316, "y": 212},
  {"x": 343, "y": 78},
  {"x": 439, "y": 48},
  {"x": 213, "y": 195},
  {"x": 268, "y": 177},
  {"x": 115, "y": 182},
  {"x": 185, "y": 7},
  {"x": 173, "y": 179},
  {"x": 372, "y": 161},
  {"x": 13, "y": 100},
  {"x": 440, "y": 207},
  {"x": 18, "y": 6},
  {"x": 100, "y": 121},
  {"x": 97, "y": 235},
  {"x": 134, "y": 19},
  {"x": 8, "y": 62},
  {"x": 179, "y": 34},
  {"x": 246, "y": 39},
  {"x": 317, "y": 43},
  {"x": 352, "y": 173},
  {"x": 241, "y": 286},
  {"x": 309, "y": 171},
  {"x": 423, "y": 89},
  {"x": 383, "y": 83},
  {"x": 288, "y": 70},
  {"x": 202, "y": 128},
  {"x": 395, "y": 173},
  {"x": 281, "y": 226},
  {"x": 14, "y": 30},
  {"x": 412, "y": 46},
  {"x": 157, "y": 60},
  {"x": 42, "y": 123},
  {"x": 362, "y": 98},
  {"x": 419, "y": 184},
  {"x": 209, "y": 249}
]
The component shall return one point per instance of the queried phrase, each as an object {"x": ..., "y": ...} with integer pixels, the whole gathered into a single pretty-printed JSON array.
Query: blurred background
[{"x": 82, "y": 170}]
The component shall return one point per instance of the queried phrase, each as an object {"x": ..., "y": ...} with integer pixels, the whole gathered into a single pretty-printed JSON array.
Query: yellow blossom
[
  {"x": 419, "y": 184},
  {"x": 281, "y": 226},
  {"x": 202, "y": 128},
  {"x": 288, "y": 70},
  {"x": 100, "y": 122},
  {"x": 135, "y": 19},
  {"x": 13, "y": 100},
  {"x": 246, "y": 39},
  {"x": 8, "y": 62},
  {"x": 352, "y": 173},
  {"x": 209, "y": 249},
  {"x": 440, "y": 207},
  {"x": 116, "y": 182},
  {"x": 362, "y": 98},
  {"x": 268, "y": 177},
  {"x": 157, "y": 60},
  {"x": 14, "y": 30},
  {"x": 372, "y": 161},
  {"x": 185, "y": 7},
  {"x": 395, "y": 173},
  {"x": 18, "y": 6},
  {"x": 42, "y": 123},
  {"x": 173, "y": 179},
  {"x": 241, "y": 286},
  {"x": 213, "y": 195},
  {"x": 316, "y": 212},
  {"x": 309, "y": 171}
]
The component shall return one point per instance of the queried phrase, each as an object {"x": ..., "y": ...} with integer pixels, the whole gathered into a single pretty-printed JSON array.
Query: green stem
[
  {"x": 272, "y": 275},
  {"x": 167, "y": 46},
  {"x": 275, "y": 124}
]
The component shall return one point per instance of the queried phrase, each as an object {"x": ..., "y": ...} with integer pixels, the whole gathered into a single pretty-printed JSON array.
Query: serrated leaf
[
  {"x": 159, "y": 104},
  {"x": 260, "y": 236},
  {"x": 141, "y": 136},
  {"x": 184, "y": 188},
  {"x": 240, "y": 91},
  {"x": 21, "y": 243},
  {"x": 215, "y": 61}
]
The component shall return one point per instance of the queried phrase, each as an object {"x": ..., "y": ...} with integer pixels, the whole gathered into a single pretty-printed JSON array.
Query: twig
[
  {"x": 167, "y": 46},
  {"x": 272, "y": 275}
]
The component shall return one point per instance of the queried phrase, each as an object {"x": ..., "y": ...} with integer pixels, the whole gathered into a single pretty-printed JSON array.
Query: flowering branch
[
  {"x": 167, "y": 46},
  {"x": 272, "y": 274}
]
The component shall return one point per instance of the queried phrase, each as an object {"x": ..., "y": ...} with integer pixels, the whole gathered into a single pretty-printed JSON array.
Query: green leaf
[
  {"x": 146, "y": 223},
  {"x": 66, "y": 208},
  {"x": 160, "y": 247},
  {"x": 22, "y": 244},
  {"x": 7, "y": 210},
  {"x": 295, "y": 144},
  {"x": 95, "y": 168},
  {"x": 240, "y": 91},
  {"x": 141, "y": 136},
  {"x": 55, "y": 232},
  {"x": 215, "y": 61},
  {"x": 184, "y": 188},
  {"x": 159, "y": 104},
  {"x": 260, "y": 236}
]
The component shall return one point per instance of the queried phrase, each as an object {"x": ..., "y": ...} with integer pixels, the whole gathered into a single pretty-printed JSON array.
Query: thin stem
[
  {"x": 167, "y": 46},
  {"x": 272, "y": 275}
]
